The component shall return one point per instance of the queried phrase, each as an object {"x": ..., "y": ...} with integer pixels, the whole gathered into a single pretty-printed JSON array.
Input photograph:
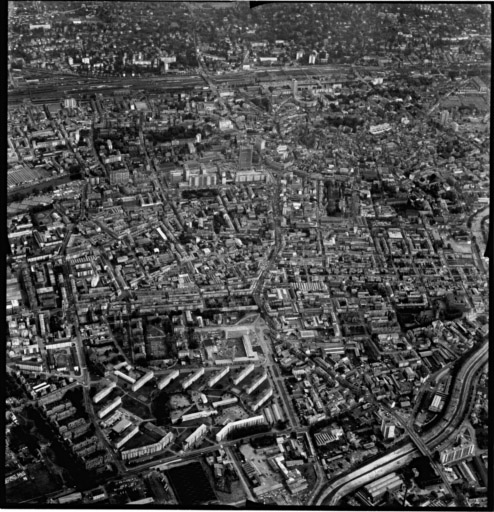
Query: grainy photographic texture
[{"x": 247, "y": 255}]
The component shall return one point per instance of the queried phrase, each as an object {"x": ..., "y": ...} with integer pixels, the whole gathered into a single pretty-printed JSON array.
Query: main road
[
  {"x": 85, "y": 379},
  {"x": 452, "y": 417},
  {"x": 163, "y": 462}
]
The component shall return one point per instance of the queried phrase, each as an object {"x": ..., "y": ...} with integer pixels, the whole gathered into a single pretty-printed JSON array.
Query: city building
[
  {"x": 196, "y": 415},
  {"x": 387, "y": 483},
  {"x": 145, "y": 378},
  {"x": 125, "y": 377},
  {"x": 278, "y": 415},
  {"x": 104, "y": 392},
  {"x": 241, "y": 376},
  {"x": 245, "y": 156},
  {"x": 143, "y": 451},
  {"x": 192, "y": 378},
  {"x": 162, "y": 383},
  {"x": 235, "y": 425},
  {"x": 256, "y": 383},
  {"x": 388, "y": 429},
  {"x": 196, "y": 437},
  {"x": 225, "y": 402},
  {"x": 453, "y": 455},
  {"x": 380, "y": 129},
  {"x": 262, "y": 399},
  {"x": 216, "y": 378},
  {"x": 126, "y": 435},
  {"x": 108, "y": 408},
  {"x": 119, "y": 176}
]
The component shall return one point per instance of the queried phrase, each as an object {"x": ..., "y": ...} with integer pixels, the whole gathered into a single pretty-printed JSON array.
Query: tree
[
  {"x": 281, "y": 425},
  {"x": 192, "y": 339}
]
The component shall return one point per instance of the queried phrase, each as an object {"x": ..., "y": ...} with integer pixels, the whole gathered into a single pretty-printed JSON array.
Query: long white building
[
  {"x": 248, "y": 346},
  {"x": 196, "y": 436},
  {"x": 235, "y": 425},
  {"x": 216, "y": 378},
  {"x": 196, "y": 415},
  {"x": 225, "y": 402},
  {"x": 190, "y": 380},
  {"x": 111, "y": 420},
  {"x": 145, "y": 378},
  {"x": 278, "y": 416},
  {"x": 241, "y": 376},
  {"x": 108, "y": 408},
  {"x": 379, "y": 128},
  {"x": 268, "y": 415},
  {"x": 126, "y": 435},
  {"x": 167, "y": 379},
  {"x": 263, "y": 399},
  {"x": 124, "y": 376},
  {"x": 256, "y": 383},
  {"x": 149, "y": 449},
  {"x": 104, "y": 392},
  {"x": 454, "y": 454}
]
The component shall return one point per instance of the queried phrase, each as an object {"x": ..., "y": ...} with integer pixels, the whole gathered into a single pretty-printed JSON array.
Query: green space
[
  {"x": 40, "y": 484},
  {"x": 136, "y": 407},
  {"x": 141, "y": 439},
  {"x": 160, "y": 408}
]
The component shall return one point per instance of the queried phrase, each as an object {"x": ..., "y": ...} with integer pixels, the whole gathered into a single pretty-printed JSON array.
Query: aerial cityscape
[{"x": 247, "y": 254}]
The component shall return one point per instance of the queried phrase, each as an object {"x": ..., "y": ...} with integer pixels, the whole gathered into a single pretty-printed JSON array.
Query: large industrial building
[{"x": 390, "y": 483}]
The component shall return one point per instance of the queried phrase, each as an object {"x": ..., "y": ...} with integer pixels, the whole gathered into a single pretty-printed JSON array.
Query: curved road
[
  {"x": 479, "y": 237},
  {"x": 398, "y": 458}
]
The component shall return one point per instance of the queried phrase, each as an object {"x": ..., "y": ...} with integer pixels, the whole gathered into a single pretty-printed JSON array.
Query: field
[
  {"x": 41, "y": 483},
  {"x": 460, "y": 247},
  {"x": 136, "y": 407},
  {"x": 191, "y": 485},
  {"x": 26, "y": 190},
  {"x": 141, "y": 439},
  {"x": 236, "y": 496},
  {"x": 155, "y": 483}
]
